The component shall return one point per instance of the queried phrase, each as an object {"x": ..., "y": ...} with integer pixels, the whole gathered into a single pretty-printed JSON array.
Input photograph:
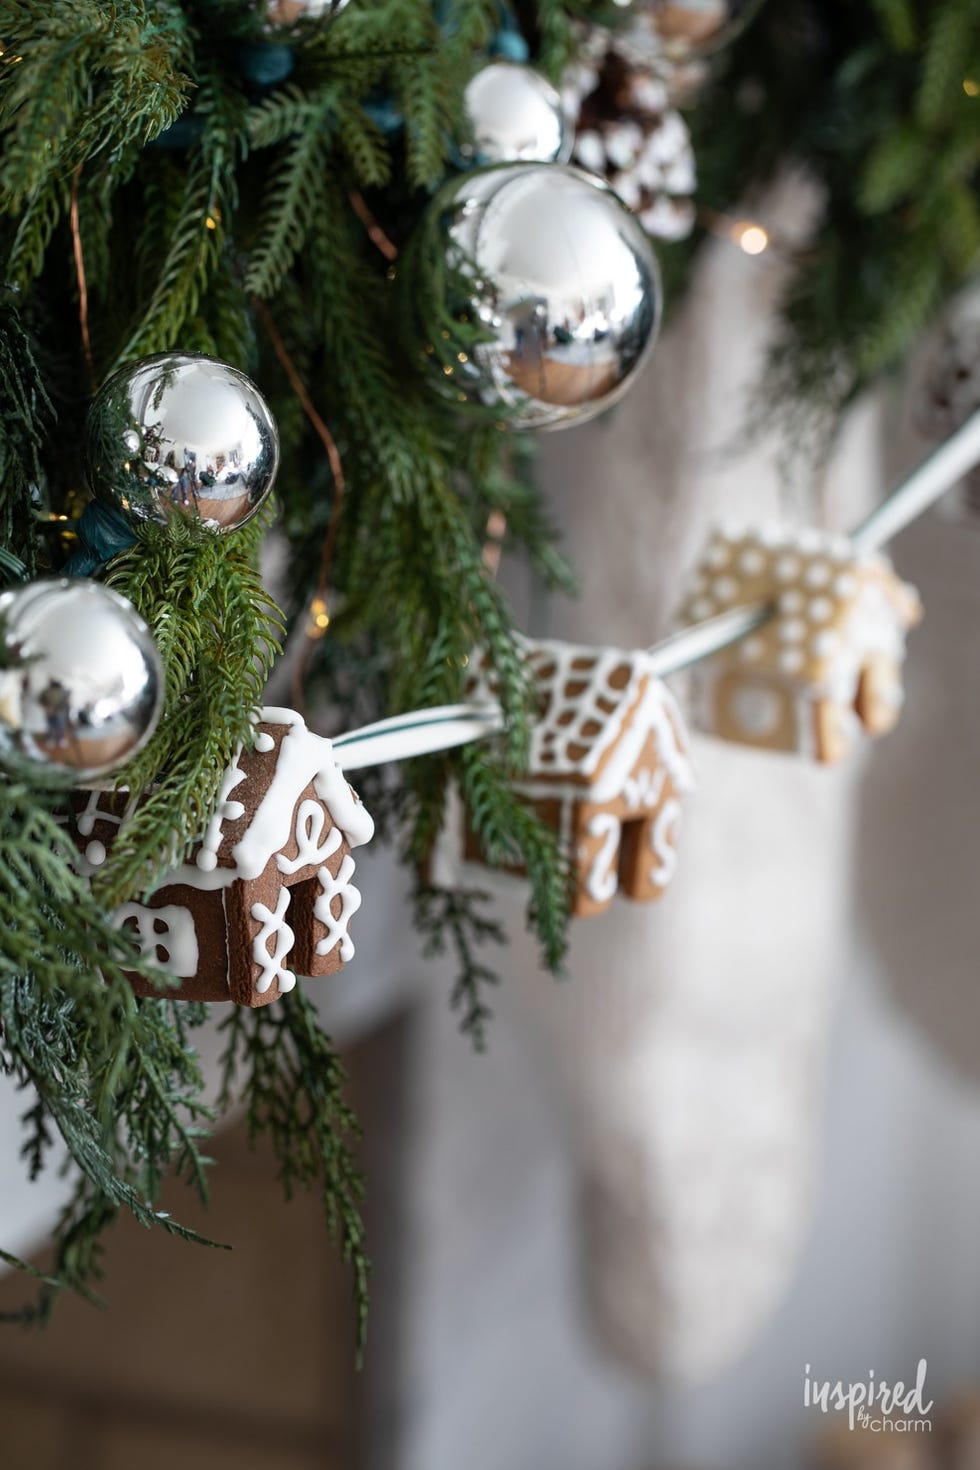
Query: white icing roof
[{"x": 589, "y": 709}]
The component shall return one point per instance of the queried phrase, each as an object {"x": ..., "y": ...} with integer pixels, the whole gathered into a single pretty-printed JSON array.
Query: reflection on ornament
[
  {"x": 81, "y": 683},
  {"x": 182, "y": 433},
  {"x": 552, "y": 284},
  {"x": 688, "y": 28},
  {"x": 516, "y": 116},
  {"x": 281, "y": 14}
]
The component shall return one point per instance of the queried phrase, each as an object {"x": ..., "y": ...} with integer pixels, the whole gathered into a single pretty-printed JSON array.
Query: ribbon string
[{"x": 422, "y": 732}]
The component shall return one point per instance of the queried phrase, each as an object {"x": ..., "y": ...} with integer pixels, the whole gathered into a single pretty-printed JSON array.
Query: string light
[
  {"x": 971, "y": 86},
  {"x": 319, "y": 620},
  {"x": 750, "y": 238}
]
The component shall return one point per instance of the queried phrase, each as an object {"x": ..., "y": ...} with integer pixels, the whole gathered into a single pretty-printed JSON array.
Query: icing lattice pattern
[{"x": 588, "y": 696}]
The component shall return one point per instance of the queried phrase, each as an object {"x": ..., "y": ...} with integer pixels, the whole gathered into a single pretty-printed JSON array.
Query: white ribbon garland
[{"x": 421, "y": 732}]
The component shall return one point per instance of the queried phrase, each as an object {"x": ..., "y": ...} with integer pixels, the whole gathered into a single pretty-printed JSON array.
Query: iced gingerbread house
[
  {"x": 608, "y": 767},
  {"x": 267, "y": 893},
  {"x": 826, "y": 666}
]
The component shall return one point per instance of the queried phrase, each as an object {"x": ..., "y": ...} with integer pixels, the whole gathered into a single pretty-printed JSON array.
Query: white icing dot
[
  {"x": 845, "y": 585},
  {"x": 753, "y": 648},
  {"x": 791, "y": 660},
  {"x": 725, "y": 588},
  {"x": 96, "y": 853},
  {"x": 207, "y": 861},
  {"x": 787, "y": 568},
  {"x": 791, "y": 602},
  {"x": 702, "y": 607},
  {"x": 818, "y": 575},
  {"x": 752, "y": 561},
  {"x": 793, "y": 630},
  {"x": 821, "y": 609},
  {"x": 825, "y": 643},
  {"x": 771, "y": 534},
  {"x": 264, "y": 742},
  {"x": 839, "y": 547},
  {"x": 718, "y": 554},
  {"x": 809, "y": 539}
]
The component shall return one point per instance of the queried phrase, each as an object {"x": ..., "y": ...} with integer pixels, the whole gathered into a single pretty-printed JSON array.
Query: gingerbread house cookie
[
  {"x": 608, "y": 766},
  {"x": 267, "y": 892},
  {"x": 826, "y": 665}
]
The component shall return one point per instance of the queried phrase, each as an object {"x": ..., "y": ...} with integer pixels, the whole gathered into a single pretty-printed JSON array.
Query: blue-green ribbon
[{"x": 102, "y": 533}]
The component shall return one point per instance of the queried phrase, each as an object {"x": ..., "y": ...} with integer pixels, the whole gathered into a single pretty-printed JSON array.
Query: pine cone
[{"x": 629, "y": 134}]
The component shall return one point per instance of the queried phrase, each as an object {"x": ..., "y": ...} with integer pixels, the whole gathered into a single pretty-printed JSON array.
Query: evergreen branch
[
  {"x": 512, "y": 835},
  {"x": 110, "y": 1075},
  {"x": 218, "y": 633},
  {"x": 292, "y": 192},
  {"x": 451, "y": 916},
  {"x": 293, "y": 1092},
  {"x": 25, "y": 415}
]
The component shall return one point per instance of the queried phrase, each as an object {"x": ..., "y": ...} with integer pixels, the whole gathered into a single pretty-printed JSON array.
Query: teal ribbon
[{"x": 102, "y": 533}]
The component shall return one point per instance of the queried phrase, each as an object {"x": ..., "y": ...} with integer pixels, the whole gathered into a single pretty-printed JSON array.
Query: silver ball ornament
[
  {"x": 282, "y": 15},
  {"x": 81, "y": 682},
  {"x": 554, "y": 285},
  {"x": 516, "y": 116},
  {"x": 686, "y": 29},
  {"x": 182, "y": 433}
]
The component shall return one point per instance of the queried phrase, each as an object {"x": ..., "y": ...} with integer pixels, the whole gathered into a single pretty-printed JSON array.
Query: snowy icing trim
[
  {"x": 274, "y": 926},
  {"x": 596, "y": 720},
  {"x": 177, "y": 938},
  {"x": 303, "y": 758},
  {"x": 602, "y": 880},
  {"x": 350, "y": 902},
  {"x": 664, "y": 832}
]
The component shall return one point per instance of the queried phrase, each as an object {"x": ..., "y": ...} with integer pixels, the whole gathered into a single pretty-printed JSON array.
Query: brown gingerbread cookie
[{"x": 267, "y": 892}]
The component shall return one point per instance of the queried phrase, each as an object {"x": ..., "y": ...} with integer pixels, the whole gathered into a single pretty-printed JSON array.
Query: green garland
[{"x": 207, "y": 209}]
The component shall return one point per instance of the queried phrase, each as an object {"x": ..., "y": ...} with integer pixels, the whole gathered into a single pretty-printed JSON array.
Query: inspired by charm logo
[{"x": 873, "y": 1404}]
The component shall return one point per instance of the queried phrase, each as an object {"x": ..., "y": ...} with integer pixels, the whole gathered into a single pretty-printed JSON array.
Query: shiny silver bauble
[
  {"x": 182, "y": 433},
  {"x": 537, "y": 294},
  {"x": 81, "y": 683},
  {"x": 685, "y": 29},
  {"x": 282, "y": 15},
  {"x": 516, "y": 116}
]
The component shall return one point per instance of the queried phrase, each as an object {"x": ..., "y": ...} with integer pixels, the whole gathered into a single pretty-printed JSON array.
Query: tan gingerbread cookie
[
  {"x": 608, "y": 767},
  {"x": 826, "y": 666}
]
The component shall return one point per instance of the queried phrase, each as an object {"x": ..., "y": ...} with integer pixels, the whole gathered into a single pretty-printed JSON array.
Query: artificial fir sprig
[{"x": 217, "y": 630}]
